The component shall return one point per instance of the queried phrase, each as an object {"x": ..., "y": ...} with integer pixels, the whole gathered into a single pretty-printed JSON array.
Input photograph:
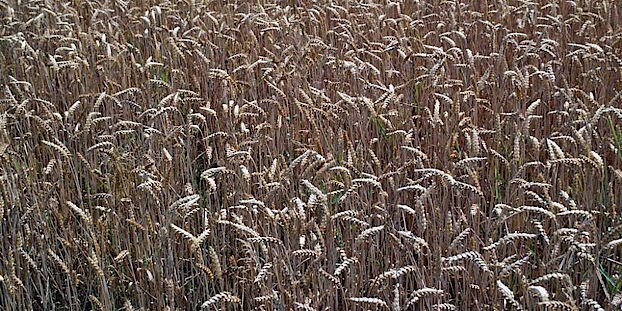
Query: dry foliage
[{"x": 315, "y": 155}]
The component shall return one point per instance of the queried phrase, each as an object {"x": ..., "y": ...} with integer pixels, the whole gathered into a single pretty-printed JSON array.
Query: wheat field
[{"x": 310, "y": 155}]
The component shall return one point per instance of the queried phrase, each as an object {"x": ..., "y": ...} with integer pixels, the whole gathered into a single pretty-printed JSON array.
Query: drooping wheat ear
[
  {"x": 320, "y": 233},
  {"x": 369, "y": 300},
  {"x": 59, "y": 147},
  {"x": 552, "y": 276},
  {"x": 538, "y": 210},
  {"x": 393, "y": 273},
  {"x": 102, "y": 145},
  {"x": 540, "y": 291},
  {"x": 122, "y": 256},
  {"x": 614, "y": 243},
  {"x": 419, "y": 242},
  {"x": 97, "y": 303},
  {"x": 594, "y": 305},
  {"x": 83, "y": 215},
  {"x": 369, "y": 232},
  {"x": 467, "y": 255},
  {"x": 128, "y": 306},
  {"x": 315, "y": 190},
  {"x": 555, "y": 152},
  {"x": 185, "y": 233},
  {"x": 240, "y": 227},
  {"x": 297, "y": 161},
  {"x": 586, "y": 215},
  {"x": 136, "y": 225},
  {"x": 221, "y": 297},
  {"x": 196, "y": 244},
  {"x": 206, "y": 269},
  {"x": 541, "y": 231},
  {"x": 305, "y": 253},
  {"x": 59, "y": 262},
  {"x": 423, "y": 292},
  {"x": 267, "y": 298},
  {"x": 263, "y": 272},
  {"x": 48, "y": 168},
  {"x": 395, "y": 305},
  {"x": 557, "y": 305},
  {"x": 334, "y": 280},
  {"x": 265, "y": 239},
  {"x": 458, "y": 239},
  {"x": 43, "y": 124},
  {"x": 344, "y": 265},
  {"x": 444, "y": 306},
  {"x": 508, "y": 294},
  {"x": 515, "y": 265},
  {"x": 511, "y": 237}
]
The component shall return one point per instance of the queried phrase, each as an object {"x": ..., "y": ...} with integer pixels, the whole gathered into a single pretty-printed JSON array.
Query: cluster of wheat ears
[{"x": 310, "y": 155}]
